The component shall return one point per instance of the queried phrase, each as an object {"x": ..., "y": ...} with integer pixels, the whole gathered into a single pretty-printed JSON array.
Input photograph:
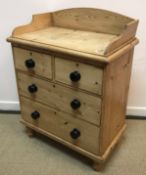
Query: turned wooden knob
[
  {"x": 75, "y": 104},
  {"x": 75, "y": 76},
  {"x": 35, "y": 115},
  {"x": 30, "y": 63},
  {"x": 32, "y": 88},
  {"x": 75, "y": 133}
]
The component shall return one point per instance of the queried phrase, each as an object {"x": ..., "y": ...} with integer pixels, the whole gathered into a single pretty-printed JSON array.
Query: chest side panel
[{"x": 115, "y": 92}]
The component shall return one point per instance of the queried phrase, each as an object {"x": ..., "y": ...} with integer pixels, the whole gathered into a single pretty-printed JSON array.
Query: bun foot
[
  {"x": 97, "y": 166},
  {"x": 30, "y": 132}
]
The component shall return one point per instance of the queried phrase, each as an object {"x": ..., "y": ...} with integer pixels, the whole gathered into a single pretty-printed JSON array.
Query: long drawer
[
  {"x": 74, "y": 102},
  {"x": 73, "y": 130},
  {"x": 33, "y": 62},
  {"x": 79, "y": 75}
]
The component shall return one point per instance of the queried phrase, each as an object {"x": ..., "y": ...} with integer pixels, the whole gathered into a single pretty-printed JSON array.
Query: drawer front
[
  {"x": 79, "y": 75},
  {"x": 33, "y": 62},
  {"x": 73, "y": 130},
  {"x": 61, "y": 98}
]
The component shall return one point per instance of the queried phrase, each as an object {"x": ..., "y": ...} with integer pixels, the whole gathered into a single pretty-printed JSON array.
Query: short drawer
[
  {"x": 70, "y": 129},
  {"x": 79, "y": 75},
  {"x": 76, "y": 103},
  {"x": 33, "y": 62}
]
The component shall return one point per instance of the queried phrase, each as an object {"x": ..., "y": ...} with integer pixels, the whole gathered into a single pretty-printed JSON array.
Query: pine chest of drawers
[{"x": 73, "y": 70}]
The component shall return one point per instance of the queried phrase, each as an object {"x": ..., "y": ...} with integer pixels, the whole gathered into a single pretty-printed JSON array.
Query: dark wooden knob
[
  {"x": 75, "y": 76},
  {"x": 75, "y": 133},
  {"x": 32, "y": 88},
  {"x": 75, "y": 104},
  {"x": 30, "y": 63},
  {"x": 35, "y": 115}
]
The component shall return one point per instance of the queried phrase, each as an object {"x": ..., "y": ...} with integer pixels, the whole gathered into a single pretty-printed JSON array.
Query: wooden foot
[
  {"x": 97, "y": 166},
  {"x": 30, "y": 132}
]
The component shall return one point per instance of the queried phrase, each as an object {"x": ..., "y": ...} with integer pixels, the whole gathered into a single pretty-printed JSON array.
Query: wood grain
[
  {"x": 95, "y": 158},
  {"x": 60, "y": 98},
  {"x": 43, "y": 62},
  {"x": 72, "y": 28},
  {"x": 91, "y": 19},
  {"x": 127, "y": 35},
  {"x": 39, "y": 21},
  {"x": 91, "y": 76},
  {"x": 99, "y": 45},
  {"x": 71, "y": 39},
  {"x": 116, "y": 85},
  {"x": 61, "y": 124}
]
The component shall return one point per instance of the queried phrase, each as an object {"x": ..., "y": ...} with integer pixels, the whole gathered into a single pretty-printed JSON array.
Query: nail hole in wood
[
  {"x": 112, "y": 77},
  {"x": 65, "y": 123}
]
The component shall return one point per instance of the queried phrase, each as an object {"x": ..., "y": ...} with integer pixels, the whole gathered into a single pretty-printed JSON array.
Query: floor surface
[{"x": 21, "y": 155}]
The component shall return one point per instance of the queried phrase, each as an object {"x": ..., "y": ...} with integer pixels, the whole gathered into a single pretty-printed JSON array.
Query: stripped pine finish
[
  {"x": 73, "y": 71},
  {"x": 63, "y": 123},
  {"x": 43, "y": 62},
  {"x": 94, "y": 81},
  {"x": 59, "y": 97}
]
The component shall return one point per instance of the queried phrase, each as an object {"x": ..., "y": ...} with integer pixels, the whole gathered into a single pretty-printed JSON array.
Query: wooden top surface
[
  {"x": 82, "y": 41},
  {"x": 84, "y": 32}
]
